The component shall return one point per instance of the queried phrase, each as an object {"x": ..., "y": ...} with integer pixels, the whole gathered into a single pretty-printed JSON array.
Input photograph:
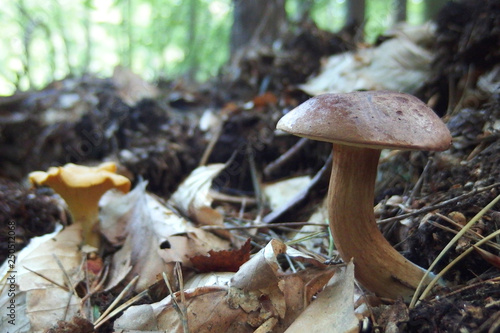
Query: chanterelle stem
[{"x": 378, "y": 266}]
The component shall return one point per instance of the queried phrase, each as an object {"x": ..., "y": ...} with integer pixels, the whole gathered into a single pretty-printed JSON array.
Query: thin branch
[
  {"x": 125, "y": 290},
  {"x": 439, "y": 205}
]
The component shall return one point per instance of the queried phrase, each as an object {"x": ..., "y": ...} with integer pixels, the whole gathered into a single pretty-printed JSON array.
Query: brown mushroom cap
[{"x": 373, "y": 119}]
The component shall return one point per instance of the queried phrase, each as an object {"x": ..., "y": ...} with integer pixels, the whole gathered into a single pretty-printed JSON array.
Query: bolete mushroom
[
  {"x": 81, "y": 187},
  {"x": 360, "y": 125}
]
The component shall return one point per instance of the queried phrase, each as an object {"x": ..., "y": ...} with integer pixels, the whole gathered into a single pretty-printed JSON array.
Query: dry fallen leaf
[
  {"x": 278, "y": 193},
  {"x": 155, "y": 237},
  {"x": 333, "y": 309},
  {"x": 261, "y": 298},
  {"x": 131, "y": 87},
  {"x": 39, "y": 281},
  {"x": 401, "y": 63},
  {"x": 222, "y": 261},
  {"x": 193, "y": 195}
]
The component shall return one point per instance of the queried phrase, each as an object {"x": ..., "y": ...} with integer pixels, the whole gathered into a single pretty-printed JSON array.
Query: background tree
[
  {"x": 163, "y": 38},
  {"x": 356, "y": 15},
  {"x": 400, "y": 9},
  {"x": 256, "y": 22},
  {"x": 432, "y": 7}
]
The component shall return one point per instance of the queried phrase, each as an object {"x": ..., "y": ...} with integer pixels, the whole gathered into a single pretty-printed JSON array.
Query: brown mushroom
[
  {"x": 81, "y": 187},
  {"x": 360, "y": 125}
]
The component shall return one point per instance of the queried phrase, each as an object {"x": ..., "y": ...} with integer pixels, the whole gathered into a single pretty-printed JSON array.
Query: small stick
[
  {"x": 453, "y": 263},
  {"x": 122, "y": 307},
  {"x": 211, "y": 144},
  {"x": 272, "y": 225},
  {"x": 302, "y": 195},
  {"x": 439, "y": 205},
  {"x": 179, "y": 308},
  {"x": 285, "y": 157},
  {"x": 115, "y": 302},
  {"x": 419, "y": 182},
  {"x": 48, "y": 279},
  {"x": 417, "y": 296},
  {"x": 256, "y": 183}
]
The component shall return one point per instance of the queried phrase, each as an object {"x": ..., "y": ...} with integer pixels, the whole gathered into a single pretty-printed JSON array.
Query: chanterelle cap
[{"x": 376, "y": 119}]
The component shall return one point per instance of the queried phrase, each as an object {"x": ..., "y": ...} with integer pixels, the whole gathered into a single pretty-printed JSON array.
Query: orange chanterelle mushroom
[
  {"x": 82, "y": 187},
  {"x": 360, "y": 125}
]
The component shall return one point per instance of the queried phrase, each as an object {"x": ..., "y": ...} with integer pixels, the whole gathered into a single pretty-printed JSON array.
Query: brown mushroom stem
[{"x": 378, "y": 266}]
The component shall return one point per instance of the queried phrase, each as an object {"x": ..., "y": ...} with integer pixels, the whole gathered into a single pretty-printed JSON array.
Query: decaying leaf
[
  {"x": 155, "y": 237},
  {"x": 38, "y": 280},
  {"x": 192, "y": 196},
  {"x": 131, "y": 87},
  {"x": 283, "y": 191},
  {"x": 260, "y": 298},
  {"x": 333, "y": 309},
  {"x": 222, "y": 261},
  {"x": 400, "y": 64}
]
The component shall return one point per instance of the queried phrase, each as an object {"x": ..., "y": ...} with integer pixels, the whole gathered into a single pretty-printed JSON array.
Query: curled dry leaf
[
  {"x": 261, "y": 298},
  {"x": 155, "y": 237},
  {"x": 193, "y": 195},
  {"x": 401, "y": 63},
  {"x": 333, "y": 309},
  {"x": 39, "y": 280},
  {"x": 223, "y": 261}
]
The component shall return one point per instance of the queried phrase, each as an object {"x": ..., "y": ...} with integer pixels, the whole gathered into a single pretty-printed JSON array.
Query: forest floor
[{"x": 161, "y": 133}]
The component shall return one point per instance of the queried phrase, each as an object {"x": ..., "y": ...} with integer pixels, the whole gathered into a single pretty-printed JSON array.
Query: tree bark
[
  {"x": 432, "y": 7},
  {"x": 256, "y": 22},
  {"x": 355, "y": 12},
  {"x": 400, "y": 7},
  {"x": 356, "y": 17}
]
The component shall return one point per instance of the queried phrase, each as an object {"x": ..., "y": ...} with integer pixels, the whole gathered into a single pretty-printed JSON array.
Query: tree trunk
[
  {"x": 356, "y": 16},
  {"x": 400, "y": 7},
  {"x": 192, "y": 59},
  {"x": 432, "y": 7},
  {"x": 256, "y": 22}
]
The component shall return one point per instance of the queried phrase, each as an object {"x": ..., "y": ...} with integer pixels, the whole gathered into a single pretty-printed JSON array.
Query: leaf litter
[{"x": 166, "y": 226}]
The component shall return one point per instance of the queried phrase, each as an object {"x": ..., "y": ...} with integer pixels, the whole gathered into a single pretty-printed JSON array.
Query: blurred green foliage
[{"x": 48, "y": 40}]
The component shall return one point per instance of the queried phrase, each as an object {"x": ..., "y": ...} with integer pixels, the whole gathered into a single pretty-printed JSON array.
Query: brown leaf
[
  {"x": 131, "y": 87},
  {"x": 222, "y": 261},
  {"x": 156, "y": 237},
  {"x": 333, "y": 308},
  {"x": 265, "y": 99},
  {"x": 261, "y": 298}
]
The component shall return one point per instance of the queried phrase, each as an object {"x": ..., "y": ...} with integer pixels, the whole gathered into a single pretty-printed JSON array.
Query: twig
[
  {"x": 285, "y": 157},
  {"x": 68, "y": 281},
  {"x": 454, "y": 262},
  {"x": 419, "y": 182},
  {"x": 302, "y": 195},
  {"x": 122, "y": 307},
  {"x": 256, "y": 226},
  {"x": 125, "y": 290},
  {"x": 471, "y": 234},
  {"x": 180, "y": 308},
  {"x": 46, "y": 278},
  {"x": 211, "y": 144},
  {"x": 255, "y": 182},
  {"x": 445, "y": 250},
  {"x": 223, "y": 197},
  {"x": 439, "y": 205}
]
